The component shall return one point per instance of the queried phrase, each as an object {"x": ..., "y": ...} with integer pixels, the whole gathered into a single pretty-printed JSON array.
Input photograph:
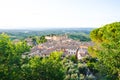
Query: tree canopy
[
  {"x": 107, "y": 50},
  {"x": 11, "y": 58}
]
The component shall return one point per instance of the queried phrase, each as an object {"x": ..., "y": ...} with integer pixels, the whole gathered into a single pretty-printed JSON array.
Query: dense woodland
[{"x": 102, "y": 64}]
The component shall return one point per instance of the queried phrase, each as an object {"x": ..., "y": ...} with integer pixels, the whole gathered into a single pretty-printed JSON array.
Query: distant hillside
[{"x": 81, "y": 34}]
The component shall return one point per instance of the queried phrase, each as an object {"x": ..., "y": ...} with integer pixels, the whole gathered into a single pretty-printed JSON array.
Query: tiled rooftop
[{"x": 66, "y": 45}]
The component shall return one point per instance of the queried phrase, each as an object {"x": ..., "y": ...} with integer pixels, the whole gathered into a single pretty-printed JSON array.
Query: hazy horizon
[
  {"x": 47, "y": 28},
  {"x": 35, "y": 28},
  {"x": 46, "y": 14}
]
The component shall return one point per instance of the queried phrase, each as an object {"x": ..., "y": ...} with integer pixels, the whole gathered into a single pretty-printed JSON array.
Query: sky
[{"x": 26, "y": 14}]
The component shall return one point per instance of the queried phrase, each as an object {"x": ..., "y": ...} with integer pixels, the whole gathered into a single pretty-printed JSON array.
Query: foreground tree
[
  {"x": 11, "y": 58},
  {"x": 50, "y": 68},
  {"x": 107, "y": 50}
]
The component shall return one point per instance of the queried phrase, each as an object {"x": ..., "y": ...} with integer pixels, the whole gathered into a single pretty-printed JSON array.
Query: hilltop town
[{"x": 60, "y": 43}]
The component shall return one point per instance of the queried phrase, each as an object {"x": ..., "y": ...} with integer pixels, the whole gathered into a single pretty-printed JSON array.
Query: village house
[
  {"x": 29, "y": 41},
  {"x": 81, "y": 52},
  {"x": 16, "y": 41}
]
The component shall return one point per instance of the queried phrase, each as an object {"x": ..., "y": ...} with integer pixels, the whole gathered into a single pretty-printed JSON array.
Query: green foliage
[
  {"x": 73, "y": 58},
  {"x": 47, "y": 68},
  {"x": 79, "y": 36},
  {"x": 82, "y": 69},
  {"x": 107, "y": 50},
  {"x": 90, "y": 77},
  {"x": 21, "y": 47},
  {"x": 79, "y": 70},
  {"x": 38, "y": 40},
  {"x": 42, "y": 39},
  {"x": 11, "y": 58}
]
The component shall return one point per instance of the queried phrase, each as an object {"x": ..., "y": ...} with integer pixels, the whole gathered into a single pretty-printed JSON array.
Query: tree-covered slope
[{"x": 107, "y": 50}]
